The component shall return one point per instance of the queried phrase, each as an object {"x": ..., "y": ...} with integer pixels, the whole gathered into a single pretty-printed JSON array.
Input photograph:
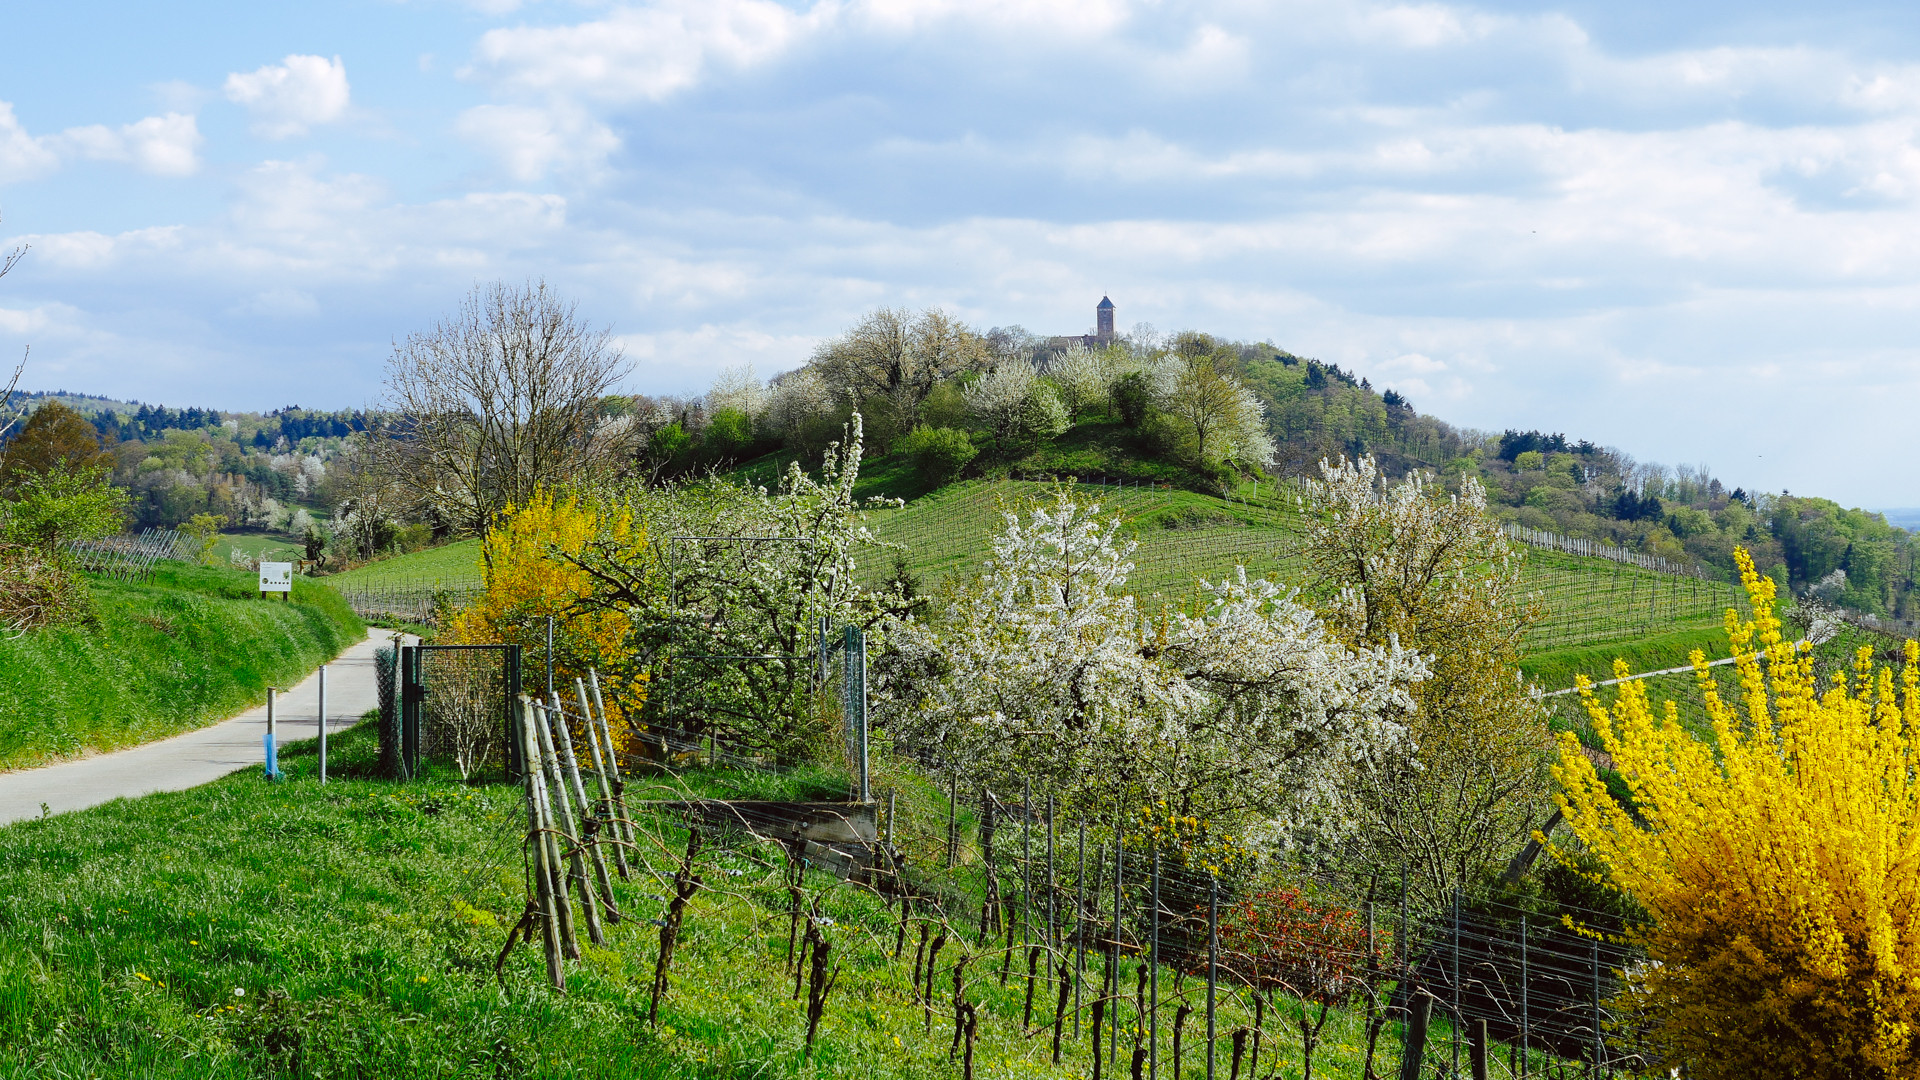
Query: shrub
[
  {"x": 1042, "y": 415},
  {"x": 939, "y": 453},
  {"x": 1280, "y": 938},
  {"x": 1133, "y": 397},
  {"x": 52, "y": 508},
  {"x": 527, "y": 579},
  {"x": 36, "y": 591},
  {"x": 1776, "y": 866}
]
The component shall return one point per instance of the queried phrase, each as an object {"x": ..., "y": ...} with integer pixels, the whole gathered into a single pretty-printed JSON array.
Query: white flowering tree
[
  {"x": 1413, "y": 563},
  {"x": 728, "y": 603},
  {"x": 1044, "y": 669}
]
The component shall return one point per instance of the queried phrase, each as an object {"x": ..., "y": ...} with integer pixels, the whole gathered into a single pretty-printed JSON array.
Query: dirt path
[{"x": 203, "y": 755}]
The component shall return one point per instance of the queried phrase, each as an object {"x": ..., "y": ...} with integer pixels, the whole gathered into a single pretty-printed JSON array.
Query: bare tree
[
  {"x": 7, "y": 263},
  {"x": 499, "y": 400},
  {"x": 898, "y": 357}
]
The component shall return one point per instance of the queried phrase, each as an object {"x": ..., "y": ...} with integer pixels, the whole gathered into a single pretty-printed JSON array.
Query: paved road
[{"x": 200, "y": 756}]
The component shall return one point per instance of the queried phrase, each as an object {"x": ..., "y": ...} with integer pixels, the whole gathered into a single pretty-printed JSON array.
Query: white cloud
[
  {"x": 162, "y": 145},
  {"x": 22, "y": 157},
  {"x": 288, "y": 98},
  {"x": 638, "y": 53},
  {"x": 531, "y": 141}
]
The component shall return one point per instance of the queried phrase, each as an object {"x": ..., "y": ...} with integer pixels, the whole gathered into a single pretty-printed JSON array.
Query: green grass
[
  {"x": 191, "y": 646},
  {"x": 457, "y": 563},
  {"x": 361, "y": 921},
  {"x": 257, "y": 544},
  {"x": 1555, "y": 670}
]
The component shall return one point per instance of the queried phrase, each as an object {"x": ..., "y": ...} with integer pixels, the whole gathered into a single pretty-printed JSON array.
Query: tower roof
[{"x": 1104, "y": 303}]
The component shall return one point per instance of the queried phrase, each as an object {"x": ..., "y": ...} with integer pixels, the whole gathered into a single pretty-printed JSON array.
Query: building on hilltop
[{"x": 1100, "y": 338}]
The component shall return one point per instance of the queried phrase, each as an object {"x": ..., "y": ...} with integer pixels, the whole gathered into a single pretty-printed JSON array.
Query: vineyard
[{"x": 1182, "y": 538}]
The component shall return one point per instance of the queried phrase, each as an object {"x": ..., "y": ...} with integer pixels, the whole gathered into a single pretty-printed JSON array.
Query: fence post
[
  {"x": 1599, "y": 1046},
  {"x": 1414, "y": 1050},
  {"x": 323, "y": 723},
  {"x": 1052, "y": 888},
  {"x": 1479, "y": 1058},
  {"x": 272, "y": 757},
  {"x": 953, "y": 822},
  {"x": 1455, "y": 1026},
  {"x": 1080, "y": 928},
  {"x": 1153, "y": 971},
  {"x": 1026, "y": 862},
  {"x": 1523, "y": 996},
  {"x": 1213, "y": 960},
  {"x": 1119, "y": 862}
]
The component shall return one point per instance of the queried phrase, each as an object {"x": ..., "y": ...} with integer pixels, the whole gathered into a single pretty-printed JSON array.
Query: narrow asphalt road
[{"x": 202, "y": 755}]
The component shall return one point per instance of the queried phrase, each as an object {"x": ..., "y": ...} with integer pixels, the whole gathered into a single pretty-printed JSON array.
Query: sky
[{"x": 1688, "y": 231}]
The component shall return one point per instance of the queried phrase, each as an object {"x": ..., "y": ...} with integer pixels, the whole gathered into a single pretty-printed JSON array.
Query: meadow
[{"x": 353, "y": 930}]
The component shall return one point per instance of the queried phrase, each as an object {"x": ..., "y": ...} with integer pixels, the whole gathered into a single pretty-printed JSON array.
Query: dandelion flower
[{"x": 239, "y": 991}]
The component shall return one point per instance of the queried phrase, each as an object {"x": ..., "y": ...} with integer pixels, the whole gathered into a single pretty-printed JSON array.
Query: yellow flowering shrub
[
  {"x": 527, "y": 579},
  {"x": 1779, "y": 867}
]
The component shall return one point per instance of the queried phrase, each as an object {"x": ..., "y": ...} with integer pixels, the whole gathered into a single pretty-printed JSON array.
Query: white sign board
[{"x": 276, "y": 577}]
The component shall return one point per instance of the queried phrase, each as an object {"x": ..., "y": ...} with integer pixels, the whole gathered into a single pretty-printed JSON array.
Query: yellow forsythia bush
[
  {"x": 1779, "y": 866},
  {"x": 526, "y": 581}
]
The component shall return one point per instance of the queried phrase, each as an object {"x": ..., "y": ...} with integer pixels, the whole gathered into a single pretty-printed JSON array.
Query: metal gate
[{"x": 456, "y": 706}]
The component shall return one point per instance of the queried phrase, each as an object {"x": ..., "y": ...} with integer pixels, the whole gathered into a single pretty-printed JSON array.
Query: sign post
[{"x": 276, "y": 577}]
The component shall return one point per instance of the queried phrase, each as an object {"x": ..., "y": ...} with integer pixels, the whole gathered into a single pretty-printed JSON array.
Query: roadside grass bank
[
  {"x": 191, "y": 646},
  {"x": 352, "y": 931}
]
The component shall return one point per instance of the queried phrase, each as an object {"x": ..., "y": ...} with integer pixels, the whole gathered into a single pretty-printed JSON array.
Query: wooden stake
[
  {"x": 623, "y": 826},
  {"x": 550, "y": 782},
  {"x": 543, "y": 871},
  {"x": 590, "y": 820},
  {"x": 609, "y": 817}
]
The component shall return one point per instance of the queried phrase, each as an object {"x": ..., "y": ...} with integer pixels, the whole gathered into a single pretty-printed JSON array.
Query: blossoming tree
[{"x": 1242, "y": 708}]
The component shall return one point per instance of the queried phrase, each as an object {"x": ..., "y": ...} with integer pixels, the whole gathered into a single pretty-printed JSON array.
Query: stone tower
[{"x": 1103, "y": 321}]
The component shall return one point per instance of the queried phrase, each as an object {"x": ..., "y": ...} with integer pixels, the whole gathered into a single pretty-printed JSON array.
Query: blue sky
[{"x": 1685, "y": 230}]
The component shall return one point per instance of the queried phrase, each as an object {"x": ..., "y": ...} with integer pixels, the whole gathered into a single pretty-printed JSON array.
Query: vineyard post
[
  {"x": 1080, "y": 927},
  {"x": 1599, "y": 1046},
  {"x": 1026, "y": 861},
  {"x": 1153, "y": 999},
  {"x": 1454, "y": 1027},
  {"x": 1052, "y": 921},
  {"x": 1119, "y": 862},
  {"x": 1213, "y": 959},
  {"x": 1523, "y": 996}
]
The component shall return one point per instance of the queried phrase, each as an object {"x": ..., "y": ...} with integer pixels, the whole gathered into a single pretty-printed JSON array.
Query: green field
[
  {"x": 353, "y": 930},
  {"x": 190, "y": 646},
  {"x": 455, "y": 564}
]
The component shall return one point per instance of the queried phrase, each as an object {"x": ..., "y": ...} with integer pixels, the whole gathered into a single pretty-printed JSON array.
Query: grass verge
[{"x": 190, "y": 646}]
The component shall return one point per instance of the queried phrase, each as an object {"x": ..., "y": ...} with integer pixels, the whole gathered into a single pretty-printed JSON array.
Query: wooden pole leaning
[
  {"x": 608, "y": 817},
  {"x": 544, "y": 898},
  {"x": 569, "y": 825},
  {"x": 590, "y": 823},
  {"x": 623, "y": 824},
  {"x": 556, "y": 862}
]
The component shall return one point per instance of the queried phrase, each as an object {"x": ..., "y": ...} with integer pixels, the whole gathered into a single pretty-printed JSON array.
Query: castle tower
[{"x": 1103, "y": 321}]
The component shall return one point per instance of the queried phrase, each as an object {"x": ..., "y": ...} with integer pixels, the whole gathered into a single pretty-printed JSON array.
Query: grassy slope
[
  {"x": 457, "y": 563},
  {"x": 361, "y": 921},
  {"x": 192, "y": 646}
]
